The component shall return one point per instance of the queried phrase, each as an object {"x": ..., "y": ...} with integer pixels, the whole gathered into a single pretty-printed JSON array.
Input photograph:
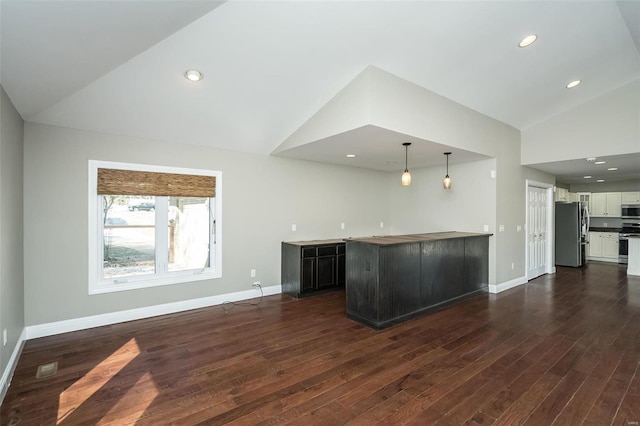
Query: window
[{"x": 151, "y": 226}]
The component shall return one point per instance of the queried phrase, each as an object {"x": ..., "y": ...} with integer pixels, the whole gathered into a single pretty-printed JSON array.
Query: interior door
[{"x": 536, "y": 232}]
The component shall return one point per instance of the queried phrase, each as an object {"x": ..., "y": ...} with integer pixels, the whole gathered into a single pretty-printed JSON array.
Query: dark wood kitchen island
[{"x": 390, "y": 279}]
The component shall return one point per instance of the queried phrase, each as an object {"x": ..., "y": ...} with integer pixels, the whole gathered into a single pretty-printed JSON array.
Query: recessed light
[
  {"x": 600, "y": 162},
  {"x": 587, "y": 177},
  {"x": 600, "y": 180},
  {"x": 193, "y": 75},
  {"x": 351, "y": 156},
  {"x": 528, "y": 40},
  {"x": 612, "y": 169},
  {"x": 573, "y": 84}
]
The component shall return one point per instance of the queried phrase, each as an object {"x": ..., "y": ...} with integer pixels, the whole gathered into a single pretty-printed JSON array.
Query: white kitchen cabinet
[
  {"x": 595, "y": 244},
  {"x": 603, "y": 246},
  {"x": 630, "y": 197},
  {"x": 606, "y": 204},
  {"x": 584, "y": 198},
  {"x": 573, "y": 197},
  {"x": 610, "y": 245},
  {"x": 562, "y": 194}
]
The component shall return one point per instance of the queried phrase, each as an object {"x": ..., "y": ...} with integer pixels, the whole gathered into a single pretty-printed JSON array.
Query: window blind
[{"x": 132, "y": 182}]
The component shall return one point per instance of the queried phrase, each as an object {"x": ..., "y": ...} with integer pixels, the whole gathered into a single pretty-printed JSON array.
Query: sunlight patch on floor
[
  {"x": 134, "y": 403},
  {"x": 85, "y": 387}
]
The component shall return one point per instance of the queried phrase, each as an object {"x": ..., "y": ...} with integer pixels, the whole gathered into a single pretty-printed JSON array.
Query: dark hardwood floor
[{"x": 562, "y": 350}]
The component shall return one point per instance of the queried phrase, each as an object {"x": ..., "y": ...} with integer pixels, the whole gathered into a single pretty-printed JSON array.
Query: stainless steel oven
[
  {"x": 628, "y": 228},
  {"x": 623, "y": 248}
]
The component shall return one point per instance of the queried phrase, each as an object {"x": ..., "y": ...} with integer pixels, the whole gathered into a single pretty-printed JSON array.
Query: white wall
[
  {"x": 607, "y": 125},
  {"x": 620, "y": 186},
  {"x": 262, "y": 197},
  {"x": 403, "y": 106},
  {"x": 11, "y": 241},
  {"x": 425, "y": 206}
]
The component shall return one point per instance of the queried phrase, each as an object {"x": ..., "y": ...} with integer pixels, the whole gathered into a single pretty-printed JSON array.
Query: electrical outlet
[
  {"x": 342, "y": 225},
  {"x": 293, "y": 227},
  {"x": 256, "y": 284},
  {"x": 519, "y": 228},
  {"x": 253, "y": 273},
  {"x": 606, "y": 224},
  {"x": 513, "y": 265},
  {"x": 501, "y": 228},
  {"x": 486, "y": 228},
  {"x": 381, "y": 224},
  {"x": 493, "y": 174},
  {"x": 5, "y": 337}
]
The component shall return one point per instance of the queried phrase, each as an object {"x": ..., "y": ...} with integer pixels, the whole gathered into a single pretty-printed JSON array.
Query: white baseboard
[
  {"x": 7, "y": 374},
  {"x": 603, "y": 259},
  {"x": 497, "y": 288},
  {"x": 58, "y": 327}
]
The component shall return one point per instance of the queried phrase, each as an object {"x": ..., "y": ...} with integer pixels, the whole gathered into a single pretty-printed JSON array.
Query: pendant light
[
  {"x": 406, "y": 176},
  {"x": 446, "y": 183}
]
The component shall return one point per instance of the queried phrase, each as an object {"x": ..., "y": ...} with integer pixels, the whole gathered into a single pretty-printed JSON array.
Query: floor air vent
[{"x": 47, "y": 370}]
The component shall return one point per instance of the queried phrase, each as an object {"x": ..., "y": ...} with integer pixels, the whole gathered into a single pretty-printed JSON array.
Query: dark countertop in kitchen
[
  {"x": 416, "y": 238},
  {"x": 604, "y": 229}
]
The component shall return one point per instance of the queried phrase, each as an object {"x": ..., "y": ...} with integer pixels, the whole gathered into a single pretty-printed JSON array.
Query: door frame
[{"x": 550, "y": 188}]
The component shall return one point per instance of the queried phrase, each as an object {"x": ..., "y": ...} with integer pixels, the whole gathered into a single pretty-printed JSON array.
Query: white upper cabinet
[
  {"x": 631, "y": 198},
  {"x": 606, "y": 204},
  {"x": 562, "y": 194},
  {"x": 585, "y": 198}
]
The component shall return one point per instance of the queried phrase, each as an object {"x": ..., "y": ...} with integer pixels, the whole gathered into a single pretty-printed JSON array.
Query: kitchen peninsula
[{"x": 390, "y": 279}]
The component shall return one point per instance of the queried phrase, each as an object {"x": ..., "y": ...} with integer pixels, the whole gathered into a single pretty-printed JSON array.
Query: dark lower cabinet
[
  {"x": 312, "y": 266},
  {"x": 389, "y": 282},
  {"x": 341, "y": 260},
  {"x": 308, "y": 274}
]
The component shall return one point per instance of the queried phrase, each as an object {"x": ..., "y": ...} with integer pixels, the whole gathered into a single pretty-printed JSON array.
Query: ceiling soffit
[{"x": 378, "y": 111}]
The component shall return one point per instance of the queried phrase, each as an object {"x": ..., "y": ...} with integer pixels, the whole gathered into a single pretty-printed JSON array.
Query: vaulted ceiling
[{"x": 118, "y": 66}]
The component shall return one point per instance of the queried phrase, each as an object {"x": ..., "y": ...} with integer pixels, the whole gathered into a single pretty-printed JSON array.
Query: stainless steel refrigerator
[{"x": 572, "y": 231}]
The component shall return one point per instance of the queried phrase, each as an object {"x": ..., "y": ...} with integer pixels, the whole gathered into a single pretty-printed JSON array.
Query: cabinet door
[
  {"x": 630, "y": 198},
  {"x": 326, "y": 272},
  {"x": 585, "y": 198},
  {"x": 610, "y": 246},
  {"x": 598, "y": 204},
  {"x": 561, "y": 194},
  {"x": 595, "y": 244},
  {"x": 340, "y": 269},
  {"x": 308, "y": 275},
  {"x": 613, "y": 204}
]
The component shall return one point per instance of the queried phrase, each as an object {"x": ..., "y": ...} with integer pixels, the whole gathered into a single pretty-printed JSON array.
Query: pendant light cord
[
  {"x": 406, "y": 176},
  {"x": 447, "y": 164},
  {"x": 406, "y": 156}
]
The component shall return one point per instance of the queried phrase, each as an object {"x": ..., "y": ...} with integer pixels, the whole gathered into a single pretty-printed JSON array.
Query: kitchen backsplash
[{"x": 608, "y": 222}]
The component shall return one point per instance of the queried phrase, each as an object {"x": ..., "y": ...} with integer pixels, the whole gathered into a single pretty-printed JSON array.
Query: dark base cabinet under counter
[
  {"x": 309, "y": 267},
  {"x": 394, "y": 278}
]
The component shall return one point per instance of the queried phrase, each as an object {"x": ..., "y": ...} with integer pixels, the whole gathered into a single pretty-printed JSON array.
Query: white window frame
[{"x": 98, "y": 285}]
